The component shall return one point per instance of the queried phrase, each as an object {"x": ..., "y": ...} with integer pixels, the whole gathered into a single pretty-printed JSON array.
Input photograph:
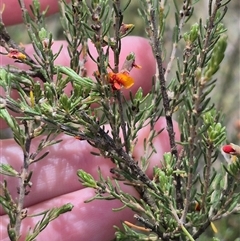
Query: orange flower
[
  {"x": 15, "y": 54},
  {"x": 120, "y": 79}
]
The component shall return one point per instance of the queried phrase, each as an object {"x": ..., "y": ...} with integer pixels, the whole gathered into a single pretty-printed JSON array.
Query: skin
[{"x": 87, "y": 221}]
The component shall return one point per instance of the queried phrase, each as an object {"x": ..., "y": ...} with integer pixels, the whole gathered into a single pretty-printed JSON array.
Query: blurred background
[{"x": 226, "y": 94}]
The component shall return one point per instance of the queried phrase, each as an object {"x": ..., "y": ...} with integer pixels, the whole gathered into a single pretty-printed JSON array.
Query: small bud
[
  {"x": 197, "y": 206},
  {"x": 96, "y": 27},
  {"x": 186, "y": 37},
  {"x": 193, "y": 32},
  {"x": 86, "y": 179},
  {"x": 130, "y": 63},
  {"x": 232, "y": 149},
  {"x": 45, "y": 43},
  {"x": 139, "y": 94},
  {"x": 43, "y": 34},
  {"x": 36, "y": 4},
  {"x": 228, "y": 149},
  {"x": 216, "y": 57},
  {"x": 198, "y": 73},
  {"x": 125, "y": 29},
  {"x": 230, "y": 152},
  {"x": 8, "y": 170},
  {"x": 95, "y": 17}
]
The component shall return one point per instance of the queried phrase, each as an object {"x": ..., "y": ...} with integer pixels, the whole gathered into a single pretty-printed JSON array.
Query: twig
[
  {"x": 117, "y": 47},
  {"x": 101, "y": 140},
  {"x": 104, "y": 142},
  {"x": 116, "y": 50},
  {"x": 23, "y": 177},
  {"x": 122, "y": 120},
  {"x": 175, "y": 44},
  {"x": 210, "y": 27},
  {"x": 236, "y": 210},
  {"x": 23, "y": 72},
  {"x": 158, "y": 54},
  {"x": 174, "y": 213},
  {"x": 5, "y": 39},
  {"x": 201, "y": 229},
  {"x": 207, "y": 175},
  {"x": 196, "y": 113}
]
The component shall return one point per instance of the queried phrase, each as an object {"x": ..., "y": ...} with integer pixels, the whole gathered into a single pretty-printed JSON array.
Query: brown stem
[
  {"x": 23, "y": 177},
  {"x": 207, "y": 176},
  {"x": 158, "y": 54},
  {"x": 195, "y": 113}
]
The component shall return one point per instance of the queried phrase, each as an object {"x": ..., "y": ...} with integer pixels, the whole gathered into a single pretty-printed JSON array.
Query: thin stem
[
  {"x": 207, "y": 175},
  {"x": 158, "y": 54},
  {"x": 117, "y": 49},
  {"x": 122, "y": 120},
  {"x": 174, "y": 213},
  {"x": 23, "y": 184},
  {"x": 187, "y": 233},
  {"x": 7, "y": 42},
  {"x": 201, "y": 229},
  {"x": 210, "y": 27},
  {"x": 23, "y": 72},
  {"x": 175, "y": 45},
  {"x": 76, "y": 37},
  {"x": 196, "y": 113},
  {"x": 103, "y": 141},
  {"x": 192, "y": 137},
  {"x": 107, "y": 142}
]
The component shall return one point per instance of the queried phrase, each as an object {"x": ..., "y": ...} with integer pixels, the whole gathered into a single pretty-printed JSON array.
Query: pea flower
[
  {"x": 15, "y": 54},
  {"x": 230, "y": 152},
  {"x": 120, "y": 79},
  {"x": 228, "y": 149},
  {"x": 123, "y": 78}
]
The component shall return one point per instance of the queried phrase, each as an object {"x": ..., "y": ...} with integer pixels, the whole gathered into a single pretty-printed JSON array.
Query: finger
[
  {"x": 67, "y": 157},
  {"x": 56, "y": 173},
  {"x": 12, "y": 13},
  {"x": 87, "y": 221},
  {"x": 161, "y": 143}
]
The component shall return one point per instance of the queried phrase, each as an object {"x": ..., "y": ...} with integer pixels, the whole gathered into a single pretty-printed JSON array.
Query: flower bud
[
  {"x": 216, "y": 57},
  {"x": 228, "y": 149},
  {"x": 193, "y": 32}
]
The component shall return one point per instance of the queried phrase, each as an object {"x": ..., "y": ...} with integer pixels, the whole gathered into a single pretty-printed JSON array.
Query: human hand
[{"x": 54, "y": 178}]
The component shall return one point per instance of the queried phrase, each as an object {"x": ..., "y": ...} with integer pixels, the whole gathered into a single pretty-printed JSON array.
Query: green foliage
[
  {"x": 216, "y": 57},
  {"x": 48, "y": 216},
  {"x": 189, "y": 192}
]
